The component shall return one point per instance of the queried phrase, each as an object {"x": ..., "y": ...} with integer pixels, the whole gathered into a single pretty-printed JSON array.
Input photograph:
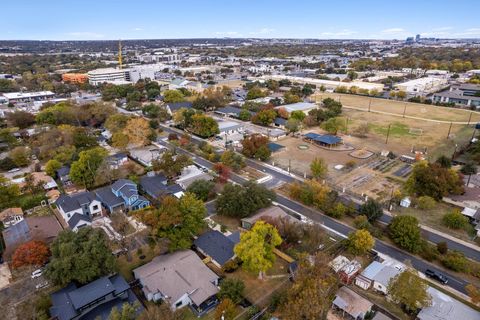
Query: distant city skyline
[{"x": 149, "y": 19}]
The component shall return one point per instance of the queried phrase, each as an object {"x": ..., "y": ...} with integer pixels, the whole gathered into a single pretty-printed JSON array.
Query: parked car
[
  {"x": 14, "y": 170},
  {"x": 41, "y": 285},
  {"x": 437, "y": 276},
  {"x": 37, "y": 273}
]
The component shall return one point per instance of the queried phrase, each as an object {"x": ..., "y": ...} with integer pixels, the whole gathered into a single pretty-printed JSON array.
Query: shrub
[
  {"x": 455, "y": 219},
  {"x": 442, "y": 247},
  {"x": 230, "y": 266},
  {"x": 456, "y": 261},
  {"x": 428, "y": 251},
  {"x": 361, "y": 222},
  {"x": 426, "y": 202}
]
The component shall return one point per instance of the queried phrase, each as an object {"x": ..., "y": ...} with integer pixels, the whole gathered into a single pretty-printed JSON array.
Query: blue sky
[{"x": 158, "y": 19}]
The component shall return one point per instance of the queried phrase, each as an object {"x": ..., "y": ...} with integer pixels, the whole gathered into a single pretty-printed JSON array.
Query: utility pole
[
  {"x": 470, "y": 118},
  {"x": 120, "y": 65},
  {"x": 404, "y": 109},
  {"x": 449, "y": 129},
  {"x": 388, "y": 133},
  {"x": 346, "y": 126},
  {"x": 289, "y": 161},
  {"x": 369, "y": 105},
  {"x": 454, "y": 151}
]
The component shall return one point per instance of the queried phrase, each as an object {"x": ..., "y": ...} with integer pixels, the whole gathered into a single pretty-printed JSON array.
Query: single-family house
[
  {"x": 179, "y": 279},
  {"x": 11, "y": 216},
  {"x": 444, "y": 307},
  {"x": 44, "y": 228},
  {"x": 41, "y": 178},
  {"x": 382, "y": 278},
  {"x": 117, "y": 160},
  {"x": 191, "y": 174},
  {"x": 157, "y": 186},
  {"x": 365, "y": 279},
  {"x": 175, "y": 106},
  {"x": 272, "y": 212},
  {"x": 279, "y": 122},
  {"x": 305, "y": 107},
  {"x": 121, "y": 195},
  {"x": 78, "y": 209},
  {"x": 63, "y": 175},
  {"x": 351, "y": 305},
  {"x": 217, "y": 246},
  {"x": 94, "y": 300}
]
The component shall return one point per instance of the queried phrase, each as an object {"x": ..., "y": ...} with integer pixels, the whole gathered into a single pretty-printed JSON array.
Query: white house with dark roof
[{"x": 78, "y": 209}]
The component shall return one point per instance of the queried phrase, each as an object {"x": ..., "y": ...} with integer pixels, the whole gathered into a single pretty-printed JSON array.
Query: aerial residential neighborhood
[{"x": 262, "y": 160}]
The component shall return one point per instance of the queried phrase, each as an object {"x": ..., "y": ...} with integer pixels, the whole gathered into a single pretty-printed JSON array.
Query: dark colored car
[{"x": 437, "y": 276}]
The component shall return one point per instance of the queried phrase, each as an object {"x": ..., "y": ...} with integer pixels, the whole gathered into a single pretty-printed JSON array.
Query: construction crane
[{"x": 120, "y": 54}]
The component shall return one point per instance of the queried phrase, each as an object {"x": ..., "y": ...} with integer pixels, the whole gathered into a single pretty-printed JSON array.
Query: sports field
[{"x": 424, "y": 111}]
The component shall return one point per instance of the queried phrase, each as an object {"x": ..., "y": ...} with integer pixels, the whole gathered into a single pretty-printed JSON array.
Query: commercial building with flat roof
[
  {"x": 98, "y": 76},
  {"x": 422, "y": 86},
  {"x": 14, "y": 97}
]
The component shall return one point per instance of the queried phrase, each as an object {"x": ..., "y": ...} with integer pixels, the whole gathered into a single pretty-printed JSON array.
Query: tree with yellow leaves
[
  {"x": 137, "y": 130},
  {"x": 256, "y": 246}
]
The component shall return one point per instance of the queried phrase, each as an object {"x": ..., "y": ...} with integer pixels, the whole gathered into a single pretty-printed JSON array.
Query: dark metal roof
[
  {"x": 274, "y": 147},
  {"x": 108, "y": 198},
  {"x": 156, "y": 186},
  {"x": 91, "y": 292},
  {"x": 279, "y": 121},
  {"x": 325, "y": 138},
  {"x": 16, "y": 234},
  {"x": 74, "y": 201},
  {"x": 63, "y": 171},
  {"x": 76, "y": 218},
  {"x": 216, "y": 245}
]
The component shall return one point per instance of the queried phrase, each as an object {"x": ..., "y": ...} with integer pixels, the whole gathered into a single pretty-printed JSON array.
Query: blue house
[{"x": 122, "y": 195}]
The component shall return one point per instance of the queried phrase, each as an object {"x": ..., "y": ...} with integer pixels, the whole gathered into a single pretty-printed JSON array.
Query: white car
[
  {"x": 37, "y": 273},
  {"x": 14, "y": 170},
  {"x": 42, "y": 285}
]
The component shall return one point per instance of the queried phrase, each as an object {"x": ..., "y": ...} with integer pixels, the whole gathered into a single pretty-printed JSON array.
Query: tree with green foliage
[
  {"x": 202, "y": 189},
  {"x": 84, "y": 170},
  {"x": 426, "y": 202},
  {"x": 371, "y": 209},
  {"x": 204, "y": 126},
  {"x": 226, "y": 310},
  {"x": 293, "y": 125},
  {"x": 80, "y": 256},
  {"x": 241, "y": 201},
  {"x": 264, "y": 117},
  {"x": 313, "y": 291},
  {"x": 360, "y": 242},
  {"x": 444, "y": 162},
  {"x": 298, "y": 114},
  {"x": 20, "y": 119},
  {"x": 116, "y": 122},
  {"x": 455, "y": 219},
  {"x": 8, "y": 193},
  {"x": 128, "y": 312},
  {"x": 232, "y": 289},
  {"x": 173, "y": 96},
  {"x": 244, "y": 115},
  {"x": 408, "y": 289},
  {"x": 177, "y": 220},
  {"x": 405, "y": 232},
  {"x": 319, "y": 168},
  {"x": 233, "y": 160},
  {"x": 20, "y": 156},
  {"x": 171, "y": 164},
  {"x": 52, "y": 166},
  {"x": 469, "y": 168},
  {"x": 333, "y": 125},
  {"x": 256, "y": 92},
  {"x": 433, "y": 180},
  {"x": 255, "y": 248},
  {"x": 290, "y": 97}
]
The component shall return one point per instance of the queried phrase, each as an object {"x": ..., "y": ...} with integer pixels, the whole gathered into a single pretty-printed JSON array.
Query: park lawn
[
  {"x": 397, "y": 129},
  {"x": 125, "y": 267},
  {"x": 258, "y": 291},
  {"x": 433, "y": 219}
]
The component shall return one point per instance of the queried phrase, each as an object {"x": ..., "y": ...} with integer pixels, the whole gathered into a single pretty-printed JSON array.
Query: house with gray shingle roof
[
  {"x": 80, "y": 208},
  {"x": 217, "y": 246},
  {"x": 121, "y": 195},
  {"x": 94, "y": 300}
]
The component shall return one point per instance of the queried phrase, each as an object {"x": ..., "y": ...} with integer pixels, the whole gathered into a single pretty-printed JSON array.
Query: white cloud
[
  {"x": 137, "y": 29},
  {"x": 440, "y": 29},
  {"x": 341, "y": 33},
  {"x": 263, "y": 31},
  {"x": 227, "y": 34},
  {"x": 393, "y": 31},
  {"x": 85, "y": 35}
]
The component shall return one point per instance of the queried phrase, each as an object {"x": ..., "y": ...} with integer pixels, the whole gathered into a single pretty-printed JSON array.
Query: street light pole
[{"x": 388, "y": 133}]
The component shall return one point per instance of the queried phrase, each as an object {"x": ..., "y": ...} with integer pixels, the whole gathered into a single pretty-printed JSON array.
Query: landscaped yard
[
  {"x": 125, "y": 267},
  {"x": 258, "y": 291}
]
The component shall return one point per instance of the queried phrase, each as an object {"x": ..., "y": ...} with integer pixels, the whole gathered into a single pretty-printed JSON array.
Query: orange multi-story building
[{"x": 75, "y": 77}]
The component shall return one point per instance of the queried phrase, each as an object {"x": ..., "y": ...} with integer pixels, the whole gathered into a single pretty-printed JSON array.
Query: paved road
[
  {"x": 278, "y": 176},
  {"x": 330, "y": 223}
]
